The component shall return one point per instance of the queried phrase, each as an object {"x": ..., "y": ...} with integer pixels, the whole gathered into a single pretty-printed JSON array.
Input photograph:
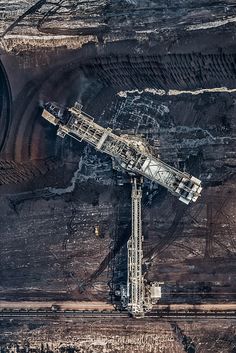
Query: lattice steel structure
[
  {"x": 135, "y": 280},
  {"x": 136, "y": 158},
  {"x": 130, "y": 153}
]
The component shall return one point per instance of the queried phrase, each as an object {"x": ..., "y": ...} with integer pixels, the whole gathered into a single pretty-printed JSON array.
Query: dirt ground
[{"x": 163, "y": 71}]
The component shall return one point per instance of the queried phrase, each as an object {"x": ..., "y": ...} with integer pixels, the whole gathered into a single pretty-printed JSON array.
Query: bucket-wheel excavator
[{"x": 137, "y": 159}]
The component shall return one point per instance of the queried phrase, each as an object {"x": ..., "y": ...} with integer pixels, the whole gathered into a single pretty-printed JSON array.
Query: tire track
[
  {"x": 30, "y": 11},
  {"x": 172, "y": 234}
]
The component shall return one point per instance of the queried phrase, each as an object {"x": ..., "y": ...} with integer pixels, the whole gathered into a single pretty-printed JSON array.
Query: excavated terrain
[{"x": 165, "y": 72}]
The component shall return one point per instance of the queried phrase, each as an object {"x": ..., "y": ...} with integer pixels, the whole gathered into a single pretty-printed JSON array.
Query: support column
[{"x": 135, "y": 283}]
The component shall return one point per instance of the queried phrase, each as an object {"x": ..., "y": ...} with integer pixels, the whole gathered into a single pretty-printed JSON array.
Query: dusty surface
[
  {"x": 66, "y": 305},
  {"x": 166, "y": 71},
  {"x": 119, "y": 335}
]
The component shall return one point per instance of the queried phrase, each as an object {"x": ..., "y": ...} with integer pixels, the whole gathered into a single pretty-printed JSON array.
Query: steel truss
[{"x": 130, "y": 153}]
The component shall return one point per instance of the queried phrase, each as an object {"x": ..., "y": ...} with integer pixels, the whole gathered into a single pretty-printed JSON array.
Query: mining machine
[{"x": 136, "y": 158}]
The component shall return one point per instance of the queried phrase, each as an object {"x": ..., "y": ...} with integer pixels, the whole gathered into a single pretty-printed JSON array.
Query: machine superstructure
[{"x": 137, "y": 159}]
